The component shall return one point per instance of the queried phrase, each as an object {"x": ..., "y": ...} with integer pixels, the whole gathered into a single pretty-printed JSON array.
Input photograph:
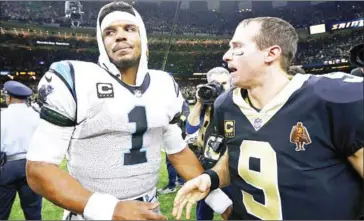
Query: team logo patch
[
  {"x": 44, "y": 91},
  {"x": 104, "y": 90},
  {"x": 137, "y": 93},
  {"x": 48, "y": 79},
  {"x": 300, "y": 136},
  {"x": 229, "y": 128}
]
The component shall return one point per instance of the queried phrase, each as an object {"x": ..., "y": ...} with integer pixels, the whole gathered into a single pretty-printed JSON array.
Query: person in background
[
  {"x": 18, "y": 123},
  {"x": 200, "y": 123}
]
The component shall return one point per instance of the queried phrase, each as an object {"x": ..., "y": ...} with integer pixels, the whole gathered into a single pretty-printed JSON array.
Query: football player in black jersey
[{"x": 294, "y": 146}]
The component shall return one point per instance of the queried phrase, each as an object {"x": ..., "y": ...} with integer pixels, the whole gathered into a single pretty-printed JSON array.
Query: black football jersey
[{"x": 289, "y": 160}]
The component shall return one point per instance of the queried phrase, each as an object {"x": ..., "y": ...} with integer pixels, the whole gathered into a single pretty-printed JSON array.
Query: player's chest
[
  {"x": 108, "y": 100},
  {"x": 295, "y": 133}
]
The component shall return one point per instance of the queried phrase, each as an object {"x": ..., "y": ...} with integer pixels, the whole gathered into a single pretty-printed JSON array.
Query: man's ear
[{"x": 273, "y": 53}]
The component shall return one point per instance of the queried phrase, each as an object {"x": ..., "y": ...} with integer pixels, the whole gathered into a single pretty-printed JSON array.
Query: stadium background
[{"x": 35, "y": 34}]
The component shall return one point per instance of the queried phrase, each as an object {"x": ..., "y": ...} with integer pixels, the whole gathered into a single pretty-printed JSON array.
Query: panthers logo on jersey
[{"x": 44, "y": 91}]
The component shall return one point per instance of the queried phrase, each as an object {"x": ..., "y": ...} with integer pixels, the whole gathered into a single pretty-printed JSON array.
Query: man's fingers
[
  {"x": 180, "y": 209},
  {"x": 177, "y": 204},
  {"x": 184, "y": 191},
  {"x": 174, "y": 211},
  {"x": 188, "y": 210},
  {"x": 180, "y": 196}
]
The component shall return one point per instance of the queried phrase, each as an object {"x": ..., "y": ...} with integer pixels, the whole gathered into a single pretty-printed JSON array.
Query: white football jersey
[{"x": 117, "y": 129}]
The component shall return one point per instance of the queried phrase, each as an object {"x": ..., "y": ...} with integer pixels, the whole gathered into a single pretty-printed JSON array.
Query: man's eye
[
  {"x": 238, "y": 51},
  {"x": 109, "y": 32},
  {"x": 130, "y": 29}
]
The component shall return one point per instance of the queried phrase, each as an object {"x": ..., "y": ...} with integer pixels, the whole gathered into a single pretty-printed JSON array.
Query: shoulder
[
  {"x": 65, "y": 72},
  {"x": 66, "y": 68},
  {"x": 4, "y": 114},
  {"x": 224, "y": 99},
  {"x": 337, "y": 87},
  {"x": 160, "y": 75},
  {"x": 164, "y": 79}
]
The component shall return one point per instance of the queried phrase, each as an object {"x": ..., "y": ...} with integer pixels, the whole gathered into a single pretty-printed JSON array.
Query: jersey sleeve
[
  {"x": 218, "y": 117},
  {"x": 58, "y": 115},
  {"x": 56, "y": 92},
  {"x": 173, "y": 140},
  {"x": 344, "y": 96},
  {"x": 176, "y": 101}
]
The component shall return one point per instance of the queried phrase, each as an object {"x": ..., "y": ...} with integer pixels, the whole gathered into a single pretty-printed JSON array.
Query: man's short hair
[
  {"x": 115, "y": 6},
  {"x": 217, "y": 70},
  {"x": 275, "y": 31},
  {"x": 293, "y": 70}
]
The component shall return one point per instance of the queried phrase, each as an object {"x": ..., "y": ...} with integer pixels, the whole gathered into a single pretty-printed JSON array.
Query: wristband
[
  {"x": 215, "y": 182},
  {"x": 218, "y": 201},
  {"x": 100, "y": 206}
]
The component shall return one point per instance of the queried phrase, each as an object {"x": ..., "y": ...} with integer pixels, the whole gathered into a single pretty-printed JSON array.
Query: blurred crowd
[
  {"x": 159, "y": 17},
  {"x": 22, "y": 52},
  {"x": 185, "y": 56}
]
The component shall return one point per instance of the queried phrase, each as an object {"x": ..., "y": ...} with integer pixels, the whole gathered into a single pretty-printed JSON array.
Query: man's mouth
[
  {"x": 232, "y": 69},
  {"x": 122, "y": 47}
]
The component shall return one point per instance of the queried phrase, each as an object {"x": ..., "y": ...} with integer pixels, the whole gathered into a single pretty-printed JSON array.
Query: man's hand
[
  {"x": 136, "y": 210},
  {"x": 191, "y": 192},
  {"x": 227, "y": 213},
  {"x": 198, "y": 99}
]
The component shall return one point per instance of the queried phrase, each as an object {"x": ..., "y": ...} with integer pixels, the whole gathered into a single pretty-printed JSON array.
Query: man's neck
[
  {"x": 14, "y": 100},
  {"x": 269, "y": 86},
  {"x": 128, "y": 75}
]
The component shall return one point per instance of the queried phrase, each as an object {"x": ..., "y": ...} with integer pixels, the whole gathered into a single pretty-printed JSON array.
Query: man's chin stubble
[{"x": 127, "y": 63}]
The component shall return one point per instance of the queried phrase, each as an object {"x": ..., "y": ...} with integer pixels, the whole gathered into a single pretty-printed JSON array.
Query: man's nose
[
  {"x": 121, "y": 35},
  {"x": 227, "y": 56}
]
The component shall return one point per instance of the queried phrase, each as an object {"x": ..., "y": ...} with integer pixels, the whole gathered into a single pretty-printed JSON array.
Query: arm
[
  {"x": 47, "y": 150},
  {"x": 194, "y": 117},
  {"x": 50, "y": 143},
  {"x": 222, "y": 166},
  {"x": 50, "y": 187},
  {"x": 222, "y": 170},
  {"x": 186, "y": 164},
  {"x": 345, "y": 101},
  {"x": 186, "y": 109},
  {"x": 200, "y": 187},
  {"x": 43, "y": 174},
  {"x": 181, "y": 157},
  {"x": 356, "y": 161}
]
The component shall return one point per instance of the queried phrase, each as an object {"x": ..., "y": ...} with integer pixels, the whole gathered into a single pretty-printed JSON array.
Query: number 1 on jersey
[{"x": 139, "y": 117}]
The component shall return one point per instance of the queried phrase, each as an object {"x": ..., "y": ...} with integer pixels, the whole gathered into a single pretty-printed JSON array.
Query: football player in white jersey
[{"x": 110, "y": 119}]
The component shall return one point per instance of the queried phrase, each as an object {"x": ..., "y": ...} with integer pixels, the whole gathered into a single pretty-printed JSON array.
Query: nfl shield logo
[
  {"x": 258, "y": 123},
  {"x": 137, "y": 93}
]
